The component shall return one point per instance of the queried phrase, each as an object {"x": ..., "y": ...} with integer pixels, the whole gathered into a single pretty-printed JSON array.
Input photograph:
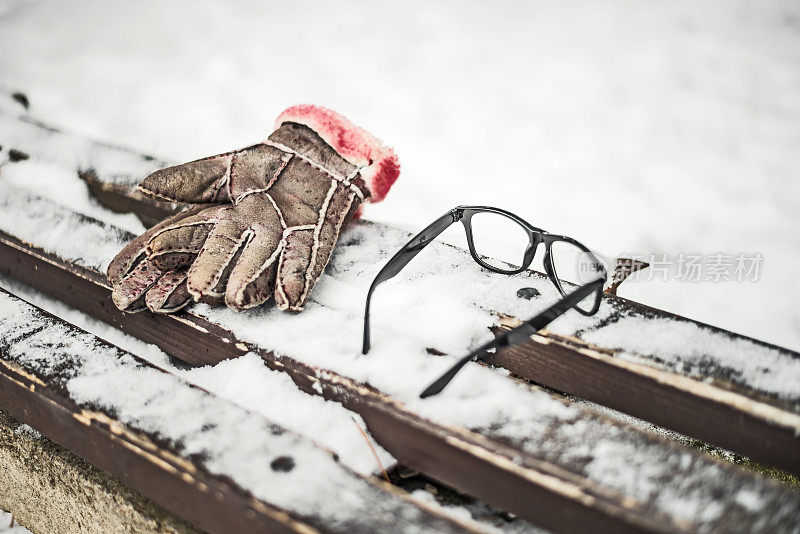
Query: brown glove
[{"x": 283, "y": 204}]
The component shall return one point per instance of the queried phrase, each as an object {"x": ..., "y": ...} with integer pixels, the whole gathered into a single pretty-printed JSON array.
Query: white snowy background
[{"x": 647, "y": 127}]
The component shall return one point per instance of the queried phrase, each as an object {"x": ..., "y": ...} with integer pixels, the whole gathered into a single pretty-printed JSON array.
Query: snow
[
  {"x": 697, "y": 351},
  {"x": 477, "y": 509},
  {"x": 146, "y": 351},
  {"x": 7, "y": 528},
  {"x": 659, "y": 127},
  {"x": 429, "y": 499},
  {"x": 28, "y": 431},
  {"x": 54, "y": 230},
  {"x": 436, "y": 310},
  {"x": 247, "y": 382},
  {"x": 59, "y": 185},
  {"x": 25, "y": 134},
  {"x": 223, "y": 437}
]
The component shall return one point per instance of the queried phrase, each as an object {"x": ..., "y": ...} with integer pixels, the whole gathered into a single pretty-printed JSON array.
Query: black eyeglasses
[{"x": 568, "y": 263}]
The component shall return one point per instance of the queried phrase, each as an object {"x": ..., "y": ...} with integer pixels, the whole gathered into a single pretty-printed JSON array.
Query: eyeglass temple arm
[
  {"x": 401, "y": 259},
  {"x": 517, "y": 336}
]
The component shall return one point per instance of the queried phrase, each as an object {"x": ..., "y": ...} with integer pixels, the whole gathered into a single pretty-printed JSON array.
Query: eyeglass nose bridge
[
  {"x": 533, "y": 246},
  {"x": 466, "y": 220},
  {"x": 548, "y": 266}
]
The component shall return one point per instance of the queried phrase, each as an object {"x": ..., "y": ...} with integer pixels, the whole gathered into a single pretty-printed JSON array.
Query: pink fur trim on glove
[{"x": 380, "y": 167}]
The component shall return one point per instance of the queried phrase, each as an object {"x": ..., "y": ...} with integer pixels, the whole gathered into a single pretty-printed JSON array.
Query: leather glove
[{"x": 266, "y": 221}]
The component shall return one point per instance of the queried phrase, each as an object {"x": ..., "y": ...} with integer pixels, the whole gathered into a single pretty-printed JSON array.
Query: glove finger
[
  {"x": 216, "y": 295},
  {"x": 290, "y": 280},
  {"x": 217, "y": 253},
  {"x": 134, "y": 252},
  {"x": 201, "y": 181},
  {"x": 252, "y": 279},
  {"x": 307, "y": 251},
  {"x": 169, "y": 294},
  {"x": 128, "y": 294},
  {"x": 175, "y": 246}
]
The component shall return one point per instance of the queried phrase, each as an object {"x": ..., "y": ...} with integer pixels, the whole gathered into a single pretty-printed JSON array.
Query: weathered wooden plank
[
  {"x": 625, "y": 479},
  {"x": 703, "y": 396},
  {"x": 204, "y": 458}
]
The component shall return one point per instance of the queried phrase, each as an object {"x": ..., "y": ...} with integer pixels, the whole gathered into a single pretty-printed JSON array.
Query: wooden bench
[{"x": 573, "y": 469}]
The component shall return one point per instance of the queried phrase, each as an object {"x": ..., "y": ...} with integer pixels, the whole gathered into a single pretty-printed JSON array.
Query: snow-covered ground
[{"x": 658, "y": 127}]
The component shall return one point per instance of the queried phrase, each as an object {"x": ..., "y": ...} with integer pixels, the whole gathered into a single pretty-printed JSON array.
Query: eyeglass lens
[
  {"x": 499, "y": 241},
  {"x": 574, "y": 267}
]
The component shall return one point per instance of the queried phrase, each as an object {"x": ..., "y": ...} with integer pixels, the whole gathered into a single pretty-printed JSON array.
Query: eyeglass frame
[{"x": 520, "y": 334}]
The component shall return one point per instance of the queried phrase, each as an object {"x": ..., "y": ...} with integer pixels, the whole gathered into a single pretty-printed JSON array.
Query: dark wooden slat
[{"x": 37, "y": 391}]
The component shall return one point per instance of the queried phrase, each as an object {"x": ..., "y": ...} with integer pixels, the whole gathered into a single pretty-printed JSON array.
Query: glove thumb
[{"x": 198, "y": 182}]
